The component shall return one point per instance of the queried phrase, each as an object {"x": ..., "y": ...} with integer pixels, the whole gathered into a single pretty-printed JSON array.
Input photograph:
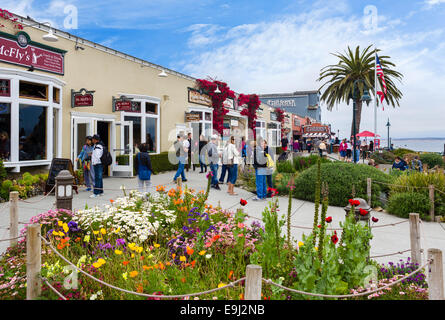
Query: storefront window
[
  {"x": 32, "y": 132},
  {"x": 136, "y": 129},
  {"x": 55, "y": 131},
  {"x": 36, "y": 91},
  {"x": 5, "y": 88},
  {"x": 151, "y": 108},
  {"x": 151, "y": 132},
  {"x": 5, "y": 131}
]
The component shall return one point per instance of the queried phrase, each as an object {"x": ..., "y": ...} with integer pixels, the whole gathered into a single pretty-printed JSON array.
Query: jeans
[
  {"x": 223, "y": 173},
  {"x": 202, "y": 163},
  {"x": 144, "y": 185},
  {"x": 261, "y": 189},
  {"x": 88, "y": 176},
  {"x": 214, "y": 169},
  {"x": 269, "y": 181},
  {"x": 98, "y": 179},
  {"x": 180, "y": 171},
  {"x": 233, "y": 173}
]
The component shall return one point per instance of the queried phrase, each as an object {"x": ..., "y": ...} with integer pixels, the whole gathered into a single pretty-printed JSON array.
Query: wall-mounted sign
[
  {"x": 316, "y": 128},
  {"x": 82, "y": 98},
  {"x": 20, "y": 50},
  {"x": 126, "y": 104},
  {"x": 229, "y": 103},
  {"x": 234, "y": 123},
  {"x": 273, "y": 116},
  {"x": 192, "y": 117},
  {"x": 195, "y": 96}
]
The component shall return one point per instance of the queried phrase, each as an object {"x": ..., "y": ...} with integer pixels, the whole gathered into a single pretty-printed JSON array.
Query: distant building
[{"x": 301, "y": 103}]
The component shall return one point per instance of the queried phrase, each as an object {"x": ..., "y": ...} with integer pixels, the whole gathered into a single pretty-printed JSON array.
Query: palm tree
[{"x": 351, "y": 67}]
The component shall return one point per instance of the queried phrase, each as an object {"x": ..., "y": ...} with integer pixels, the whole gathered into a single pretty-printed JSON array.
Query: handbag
[{"x": 270, "y": 163}]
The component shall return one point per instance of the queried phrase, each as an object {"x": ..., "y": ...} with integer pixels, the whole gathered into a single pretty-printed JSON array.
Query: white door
[
  {"x": 82, "y": 127},
  {"x": 122, "y": 151}
]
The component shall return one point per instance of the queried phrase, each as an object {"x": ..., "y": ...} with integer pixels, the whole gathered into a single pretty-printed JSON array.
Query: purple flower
[{"x": 120, "y": 242}]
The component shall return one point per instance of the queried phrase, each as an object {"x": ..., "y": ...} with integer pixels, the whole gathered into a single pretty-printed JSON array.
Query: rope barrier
[
  {"x": 231, "y": 284},
  {"x": 15, "y": 238},
  {"x": 45, "y": 196},
  {"x": 391, "y": 254},
  {"x": 407, "y": 187},
  {"x": 52, "y": 288},
  {"x": 268, "y": 281}
]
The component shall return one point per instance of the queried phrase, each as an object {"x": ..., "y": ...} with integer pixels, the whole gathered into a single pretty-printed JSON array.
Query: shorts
[
  {"x": 349, "y": 153},
  {"x": 343, "y": 153}
]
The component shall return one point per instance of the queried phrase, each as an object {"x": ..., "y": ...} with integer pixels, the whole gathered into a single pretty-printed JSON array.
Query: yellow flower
[
  {"x": 157, "y": 245},
  {"x": 55, "y": 233},
  {"x": 150, "y": 256},
  {"x": 133, "y": 274},
  {"x": 65, "y": 227},
  {"x": 96, "y": 265},
  {"x": 300, "y": 243},
  {"x": 96, "y": 232},
  {"x": 124, "y": 275},
  {"x": 60, "y": 223},
  {"x": 103, "y": 231},
  {"x": 182, "y": 258},
  {"x": 132, "y": 255},
  {"x": 117, "y": 251},
  {"x": 118, "y": 229},
  {"x": 101, "y": 261},
  {"x": 99, "y": 238},
  {"x": 139, "y": 249},
  {"x": 221, "y": 285},
  {"x": 316, "y": 248},
  {"x": 132, "y": 246},
  {"x": 86, "y": 238},
  {"x": 201, "y": 253}
]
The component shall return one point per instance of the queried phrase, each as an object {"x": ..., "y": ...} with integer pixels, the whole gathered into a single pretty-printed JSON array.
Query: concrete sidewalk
[{"x": 386, "y": 240}]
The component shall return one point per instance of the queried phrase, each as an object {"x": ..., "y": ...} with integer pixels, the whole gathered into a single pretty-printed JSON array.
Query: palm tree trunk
[{"x": 358, "y": 117}]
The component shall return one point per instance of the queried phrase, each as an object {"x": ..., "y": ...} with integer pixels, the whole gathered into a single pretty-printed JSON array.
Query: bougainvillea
[
  {"x": 209, "y": 87},
  {"x": 252, "y": 103},
  {"x": 280, "y": 119},
  {"x": 5, "y": 14}
]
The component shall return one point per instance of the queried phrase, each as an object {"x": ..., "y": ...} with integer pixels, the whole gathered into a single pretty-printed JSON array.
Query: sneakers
[
  {"x": 88, "y": 189},
  {"x": 94, "y": 196},
  {"x": 257, "y": 199}
]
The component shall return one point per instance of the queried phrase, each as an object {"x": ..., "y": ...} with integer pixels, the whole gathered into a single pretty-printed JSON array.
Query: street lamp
[
  {"x": 364, "y": 98},
  {"x": 388, "y": 125}
]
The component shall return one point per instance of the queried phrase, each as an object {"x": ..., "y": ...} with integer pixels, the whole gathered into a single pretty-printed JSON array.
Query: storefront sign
[
  {"x": 20, "y": 50},
  {"x": 197, "y": 97},
  {"x": 234, "y": 123},
  {"x": 273, "y": 116},
  {"x": 192, "y": 117},
  {"x": 229, "y": 103},
  {"x": 312, "y": 129},
  {"x": 126, "y": 104},
  {"x": 82, "y": 98}
]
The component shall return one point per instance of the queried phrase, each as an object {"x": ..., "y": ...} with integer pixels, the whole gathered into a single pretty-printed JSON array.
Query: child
[
  {"x": 85, "y": 159},
  {"x": 143, "y": 168}
]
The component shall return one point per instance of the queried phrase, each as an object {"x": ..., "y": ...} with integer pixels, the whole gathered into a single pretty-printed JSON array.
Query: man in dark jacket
[{"x": 143, "y": 168}]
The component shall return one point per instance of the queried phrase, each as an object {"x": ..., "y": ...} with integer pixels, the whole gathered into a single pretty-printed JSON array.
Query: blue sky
[{"x": 275, "y": 46}]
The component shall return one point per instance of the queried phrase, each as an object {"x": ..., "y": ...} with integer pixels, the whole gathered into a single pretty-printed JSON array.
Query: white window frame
[
  {"x": 276, "y": 143},
  {"x": 203, "y": 111},
  {"x": 144, "y": 115},
  {"x": 15, "y": 76},
  {"x": 262, "y": 130}
]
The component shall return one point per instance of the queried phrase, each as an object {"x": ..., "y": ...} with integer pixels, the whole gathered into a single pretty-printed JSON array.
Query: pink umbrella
[{"x": 367, "y": 134}]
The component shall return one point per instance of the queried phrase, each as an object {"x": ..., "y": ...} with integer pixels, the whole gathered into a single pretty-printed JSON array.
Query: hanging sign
[
  {"x": 126, "y": 104},
  {"x": 195, "y": 96},
  {"x": 82, "y": 98},
  {"x": 192, "y": 117},
  {"x": 20, "y": 50}
]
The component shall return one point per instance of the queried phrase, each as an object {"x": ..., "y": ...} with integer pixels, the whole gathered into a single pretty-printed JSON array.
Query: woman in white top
[{"x": 233, "y": 161}]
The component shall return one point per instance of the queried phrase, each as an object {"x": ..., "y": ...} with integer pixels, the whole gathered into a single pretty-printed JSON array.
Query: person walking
[
  {"x": 98, "y": 151},
  {"x": 269, "y": 171},
  {"x": 143, "y": 168},
  {"x": 284, "y": 143},
  {"x": 322, "y": 148},
  {"x": 244, "y": 150},
  {"x": 260, "y": 165},
  {"x": 85, "y": 161},
  {"x": 348, "y": 151},
  {"x": 371, "y": 146},
  {"x": 181, "y": 154},
  {"x": 202, "y": 154},
  {"x": 187, "y": 143},
  {"x": 233, "y": 162},
  {"x": 342, "y": 149},
  {"x": 309, "y": 146},
  {"x": 296, "y": 146},
  {"x": 212, "y": 153},
  {"x": 224, "y": 167}
]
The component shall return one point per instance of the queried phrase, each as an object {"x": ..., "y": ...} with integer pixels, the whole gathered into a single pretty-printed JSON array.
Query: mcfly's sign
[{"x": 20, "y": 50}]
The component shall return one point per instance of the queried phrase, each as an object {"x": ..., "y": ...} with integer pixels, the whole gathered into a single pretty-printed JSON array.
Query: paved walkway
[{"x": 386, "y": 240}]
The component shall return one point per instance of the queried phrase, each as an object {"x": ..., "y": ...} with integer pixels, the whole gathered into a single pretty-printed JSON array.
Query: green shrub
[
  {"x": 302, "y": 163},
  {"x": 402, "y": 204},
  {"x": 432, "y": 159},
  {"x": 2, "y": 171},
  {"x": 285, "y": 166},
  {"x": 247, "y": 179},
  {"x": 280, "y": 181},
  {"x": 383, "y": 157},
  {"x": 401, "y": 152},
  {"x": 341, "y": 177}
]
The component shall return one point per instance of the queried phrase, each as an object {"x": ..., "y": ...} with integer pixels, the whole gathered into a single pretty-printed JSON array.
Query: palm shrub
[{"x": 342, "y": 178}]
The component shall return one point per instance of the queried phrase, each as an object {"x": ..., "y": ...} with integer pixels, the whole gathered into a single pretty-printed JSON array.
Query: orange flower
[
  {"x": 216, "y": 237},
  {"x": 133, "y": 274},
  {"x": 125, "y": 262},
  {"x": 140, "y": 288},
  {"x": 77, "y": 239},
  {"x": 161, "y": 266},
  {"x": 190, "y": 251},
  {"x": 241, "y": 296},
  {"x": 183, "y": 280},
  {"x": 111, "y": 201},
  {"x": 60, "y": 246},
  {"x": 230, "y": 274},
  {"x": 193, "y": 263},
  {"x": 167, "y": 263}
]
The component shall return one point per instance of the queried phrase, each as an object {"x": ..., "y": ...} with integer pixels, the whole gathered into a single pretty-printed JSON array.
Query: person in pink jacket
[{"x": 342, "y": 149}]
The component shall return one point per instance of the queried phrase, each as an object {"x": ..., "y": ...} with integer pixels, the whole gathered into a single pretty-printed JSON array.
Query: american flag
[{"x": 379, "y": 71}]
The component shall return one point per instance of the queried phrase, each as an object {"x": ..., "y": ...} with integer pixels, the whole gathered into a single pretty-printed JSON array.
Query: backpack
[
  {"x": 106, "y": 158},
  {"x": 178, "y": 148}
]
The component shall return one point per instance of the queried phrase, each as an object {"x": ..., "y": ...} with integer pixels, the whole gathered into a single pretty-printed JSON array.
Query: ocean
[{"x": 418, "y": 144}]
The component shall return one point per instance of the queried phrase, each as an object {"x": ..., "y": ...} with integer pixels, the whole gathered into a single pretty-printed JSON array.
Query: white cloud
[{"x": 287, "y": 54}]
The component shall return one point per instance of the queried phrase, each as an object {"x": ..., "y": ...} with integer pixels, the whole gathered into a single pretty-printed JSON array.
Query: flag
[{"x": 379, "y": 72}]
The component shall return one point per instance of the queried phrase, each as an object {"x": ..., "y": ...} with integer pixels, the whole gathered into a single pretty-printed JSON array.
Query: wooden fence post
[
  {"x": 179, "y": 182},
  {"x": 369, "y": 187},
  {"x": 435, "y": 275},
  {"x": 253, "y": 282},
  {"x": 13, "y": 217},
  {"x": 33, "y": 262},
  {"x": 414, "y": 234},
  {"x": 431, "y": 187}
]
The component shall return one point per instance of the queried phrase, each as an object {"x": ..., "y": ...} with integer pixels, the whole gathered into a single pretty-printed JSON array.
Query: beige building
[{"x": 54, "y": 94}]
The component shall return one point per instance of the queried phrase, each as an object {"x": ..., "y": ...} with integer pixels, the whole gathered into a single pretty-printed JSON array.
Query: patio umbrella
[{"x": 367, "y": 134}]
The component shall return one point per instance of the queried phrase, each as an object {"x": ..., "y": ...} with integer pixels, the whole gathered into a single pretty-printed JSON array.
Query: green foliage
[
  {"x": 29, "y": 185},
  {"x": 432, "y": 160},
  {"x": 281, "y": 181},
  {"x": 285, "y": 167},
  {"x": 401, "y": 152},
  {"x": 2, "y": 171},
  {"x": 302, "y": 163},
  {"x": 247, "y": 178},
  {"x": 383, "y": 157},
  {"x": 341, "y": 177},
  {"x": 403, "y": 203}
]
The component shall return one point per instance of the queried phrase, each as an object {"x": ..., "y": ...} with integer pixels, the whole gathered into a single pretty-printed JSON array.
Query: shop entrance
[
  {"x": 81, "y": 129},
  {"x": 103, "y": 130}
]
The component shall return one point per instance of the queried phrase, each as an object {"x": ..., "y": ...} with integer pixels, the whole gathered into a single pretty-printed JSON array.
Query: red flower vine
[
  {"x": 209, "y": 87},
  {"x": 280, "y": 119},
  {"x": 252, "y": 102},
  {"x": 5, "y": 14}
]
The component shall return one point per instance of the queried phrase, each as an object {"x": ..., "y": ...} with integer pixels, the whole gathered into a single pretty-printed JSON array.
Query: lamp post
[
  {"x": 388, "y": 125},
  {"x": 364, "y": 98}
]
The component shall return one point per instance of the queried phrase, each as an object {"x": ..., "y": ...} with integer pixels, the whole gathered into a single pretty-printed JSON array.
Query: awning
[{"x": 316, "y": 135}]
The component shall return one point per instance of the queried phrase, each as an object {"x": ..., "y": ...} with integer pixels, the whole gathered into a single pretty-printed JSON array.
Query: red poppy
[
  {"x": 351, "y": 202},
  {"x": 273, "y": 191},
  {"x": 334, "y": 238},
  {"x": 356, "y": 202},
  {"x": 328, "y": 219},
  {"x": 363, "y": 212},
  {"x": 243, "y": 202},
  {"x": 374, "y": 219},
  {"x": 319, "y": 226}
]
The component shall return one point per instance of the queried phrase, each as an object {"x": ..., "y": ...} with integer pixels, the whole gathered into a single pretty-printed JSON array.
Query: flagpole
[{"x": 375, "y": 94}]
